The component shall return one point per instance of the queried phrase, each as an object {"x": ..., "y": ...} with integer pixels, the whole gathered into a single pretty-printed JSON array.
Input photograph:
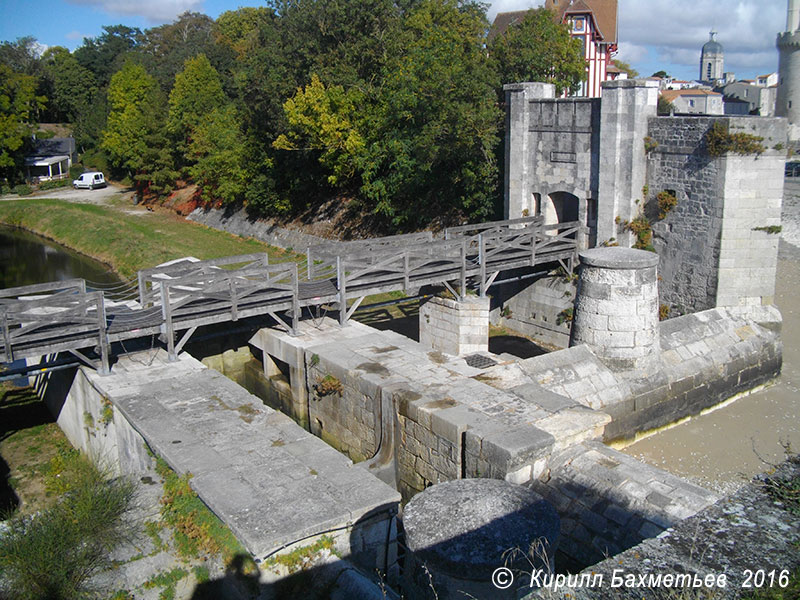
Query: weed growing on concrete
[
  {"x": 770, "y": 229},
  {"x": 54, "y": 554},
  {"x": 107, "y": 413},
  {"x": 649, "y": 144},
  {"x": 167, "y": 580},
  {"x": 314, "y": 361},
  {"x": 328, "y": 385},
  {"x": 196, "y": 530},
  {"x": 720, "y": 141},
  {"x": 666, "y": 202},
  {"x": 663, "y": 312},
  {"x": 565, "y": 316},
  {"x": 298, "y": 558}
]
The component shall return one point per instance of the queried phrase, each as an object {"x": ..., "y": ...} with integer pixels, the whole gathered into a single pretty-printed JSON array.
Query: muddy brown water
[{"x": 728, "y": 446}]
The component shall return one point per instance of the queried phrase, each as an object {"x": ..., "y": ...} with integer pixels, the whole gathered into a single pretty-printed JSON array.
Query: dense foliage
[{"x": 392, "y": 106}]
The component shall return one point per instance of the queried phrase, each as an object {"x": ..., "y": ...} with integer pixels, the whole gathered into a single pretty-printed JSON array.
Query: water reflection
[{"x": 26, "y": 259}]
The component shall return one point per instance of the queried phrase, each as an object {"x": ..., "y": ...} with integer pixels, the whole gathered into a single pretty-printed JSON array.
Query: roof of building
[
  {"x": 53, "y": 147},
  {"x": 672, "y": 94},
  {"x": 604, "y": 13}
]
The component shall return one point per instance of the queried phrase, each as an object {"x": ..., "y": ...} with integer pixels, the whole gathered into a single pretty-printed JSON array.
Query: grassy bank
[{"x": 127, "y": 239}]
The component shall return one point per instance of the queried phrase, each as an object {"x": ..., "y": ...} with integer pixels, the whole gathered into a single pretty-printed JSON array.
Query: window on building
[
  {"x": 578, "y": 25},
  {"x": 691, "y": 103},
  {"x": 708, "y": 71}
]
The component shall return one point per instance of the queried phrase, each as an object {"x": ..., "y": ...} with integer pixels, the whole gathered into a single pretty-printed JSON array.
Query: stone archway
[{"x": 560, "y": 207}]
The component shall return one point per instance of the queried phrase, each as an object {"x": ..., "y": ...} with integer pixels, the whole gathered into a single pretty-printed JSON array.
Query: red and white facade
[
  {"x": 594, "y": 23},
  {"x": 597, "y": 54}
]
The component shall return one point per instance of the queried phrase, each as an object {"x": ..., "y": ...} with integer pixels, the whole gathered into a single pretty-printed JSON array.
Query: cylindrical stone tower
[
  {"x": 787, "y": 103},
  {"x": 616, "y": 307}
]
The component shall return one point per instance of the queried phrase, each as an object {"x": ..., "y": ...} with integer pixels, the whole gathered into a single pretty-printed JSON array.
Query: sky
[{"x": 654, "y": 35}]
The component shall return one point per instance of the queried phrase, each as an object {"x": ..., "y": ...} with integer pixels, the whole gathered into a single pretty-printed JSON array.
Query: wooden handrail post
[
  {"x": 142, "y": 289},
  {"x": 166, "y": 311},
  {"x": 295, "y": 299},
  {"x": 234, "y": 308},
  {"x": 9, "y": 352},
  {"x": 482, "y": 260},
  {"x": 463, "y": 289},
  {"x": 342, "y": 284},
  {"x": 406, "y": 274},
  {"x": 102, "y": 331}
]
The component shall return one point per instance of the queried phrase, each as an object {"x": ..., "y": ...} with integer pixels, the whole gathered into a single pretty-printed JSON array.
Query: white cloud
[
  {"x": 632, "y": 53},
  {"x": 156, "y": 11}
]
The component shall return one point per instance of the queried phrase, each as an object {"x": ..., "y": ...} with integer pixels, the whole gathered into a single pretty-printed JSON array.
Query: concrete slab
[{"x": 269, "y": 480}]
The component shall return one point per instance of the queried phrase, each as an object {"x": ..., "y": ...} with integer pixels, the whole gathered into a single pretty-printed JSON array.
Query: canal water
[
  {"x": 726, "y": 447},
  {"x": 26, "y": 259}
]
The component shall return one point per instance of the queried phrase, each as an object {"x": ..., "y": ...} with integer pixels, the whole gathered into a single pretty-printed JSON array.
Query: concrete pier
[{"x": 273, "y": 483}]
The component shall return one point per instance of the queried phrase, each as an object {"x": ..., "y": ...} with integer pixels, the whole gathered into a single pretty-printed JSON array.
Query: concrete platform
[{"x": 269, "y": 480}]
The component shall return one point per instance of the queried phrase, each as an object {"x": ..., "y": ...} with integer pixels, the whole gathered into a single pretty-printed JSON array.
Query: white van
[{"x": 89, "y": 180}]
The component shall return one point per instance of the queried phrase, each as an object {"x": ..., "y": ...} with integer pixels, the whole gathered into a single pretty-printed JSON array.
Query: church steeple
[{"x": 712, "y": 59}]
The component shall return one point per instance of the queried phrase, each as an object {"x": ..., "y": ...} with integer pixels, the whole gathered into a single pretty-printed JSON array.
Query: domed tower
[
  {"x": 788, "y": 100},
  {"x": 712, "y": 59}
]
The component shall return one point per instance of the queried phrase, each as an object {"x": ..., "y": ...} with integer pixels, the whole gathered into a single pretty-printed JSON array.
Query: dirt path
[
  {"x": 99, "y": 196},
  {"x": 728, "y": 446}
]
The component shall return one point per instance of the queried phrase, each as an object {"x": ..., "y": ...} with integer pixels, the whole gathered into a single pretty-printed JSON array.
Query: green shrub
[
  {"x": 720, "y": 141},
  {"x": 75, "y": 171},
  {"x": 95, "y": 160},
  {"x": 51, "y": 185},
  {"x": 54, "y": 553},
  {"x": 22, "y": 189},
  {"x": 666, "y": 202}
]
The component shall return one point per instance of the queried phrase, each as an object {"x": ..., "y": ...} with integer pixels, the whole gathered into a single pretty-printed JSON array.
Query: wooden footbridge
[{"x": 175, "y": 299}]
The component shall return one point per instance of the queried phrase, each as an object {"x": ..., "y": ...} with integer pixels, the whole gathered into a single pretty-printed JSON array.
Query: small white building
[
  {"x": 51, "y": 159},
  {"x": 695, "y": 101}
]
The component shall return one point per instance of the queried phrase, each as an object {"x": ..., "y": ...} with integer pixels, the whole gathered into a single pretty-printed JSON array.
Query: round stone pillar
[
  {"x": 616, "y": 306},
  {"x": 463, "y": 535}
]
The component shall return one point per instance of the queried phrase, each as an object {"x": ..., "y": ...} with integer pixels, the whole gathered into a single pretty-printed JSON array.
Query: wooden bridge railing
[
  {"x": 150, "y": 279},
  {"x": 219, "y": 296},
  {"x": 64, "y": 321}
]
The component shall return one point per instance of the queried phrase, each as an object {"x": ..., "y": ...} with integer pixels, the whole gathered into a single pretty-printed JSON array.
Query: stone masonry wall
[
  {"x": 609, "y": 501},
  {"x": 535, "y": 306},
  {"x": 710, "y": 253}
]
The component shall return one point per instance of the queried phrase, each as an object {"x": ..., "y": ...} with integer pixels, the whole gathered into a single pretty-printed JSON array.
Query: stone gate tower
[{"x": 788, "y": 101}]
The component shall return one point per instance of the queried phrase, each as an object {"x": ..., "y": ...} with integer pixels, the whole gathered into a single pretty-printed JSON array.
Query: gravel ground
[{"x": 98, "y": 196}]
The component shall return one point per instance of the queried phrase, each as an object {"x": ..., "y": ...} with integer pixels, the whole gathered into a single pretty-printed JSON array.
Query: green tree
[
  {"x": 539, "y": 49},
  {"x": 19, "y": 105},
  {"x": 625, "y": 68},
  {"x": 219, "y": 154},
  {"x": 323, "y": 119},
  {"x": 197, "y": 92},
  {"x": 106, "y": 54},
  {"x": 661, "y": 74},
  {"x": 665, "y": 107},
  {"x": 72, "y": 86},
  {"x": 165, "y": 49},
  {"x": 433, "y": 131},
  {"x": 134, "y": 137}
]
